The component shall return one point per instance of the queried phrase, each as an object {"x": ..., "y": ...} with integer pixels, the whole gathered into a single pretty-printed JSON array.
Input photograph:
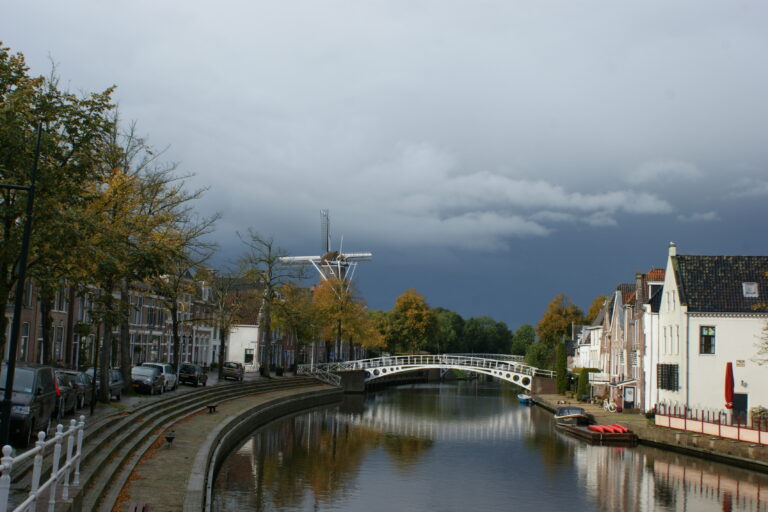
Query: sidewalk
[
  {"x": 129, "y": 400},
  {"x": 737, "y": 453},
  {"x": 161, "y": 475}
]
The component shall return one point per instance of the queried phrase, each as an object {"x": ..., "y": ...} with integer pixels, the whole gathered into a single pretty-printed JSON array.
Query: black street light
[{"x": 5, "y": 406}]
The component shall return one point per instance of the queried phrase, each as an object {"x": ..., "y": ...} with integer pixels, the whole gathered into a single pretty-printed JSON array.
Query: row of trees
[
  {"x": 412, "y": 326},
  {"x": 107, "y": 211}
]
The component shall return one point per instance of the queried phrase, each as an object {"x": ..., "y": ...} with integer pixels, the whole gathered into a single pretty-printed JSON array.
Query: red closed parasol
[{"x": 729, "y": 385}]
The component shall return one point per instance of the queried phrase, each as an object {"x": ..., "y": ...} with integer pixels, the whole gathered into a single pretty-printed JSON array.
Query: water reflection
[{"x": 460, "y": 447}]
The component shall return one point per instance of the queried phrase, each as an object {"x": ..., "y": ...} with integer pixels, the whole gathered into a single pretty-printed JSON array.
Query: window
[
  {"x": 24, "y": 341},
  {"x": 248, "y": 356},
  {"x": 707, "y": 340},
  {"x": 667, "y": 377},
  {"x": 750, "y": 289}
]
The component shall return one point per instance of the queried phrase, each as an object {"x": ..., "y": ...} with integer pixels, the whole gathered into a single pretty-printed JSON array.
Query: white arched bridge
[{"x": 500, "y": 366}]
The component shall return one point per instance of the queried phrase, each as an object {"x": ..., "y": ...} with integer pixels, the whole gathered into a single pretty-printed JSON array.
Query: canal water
[{"x": 467, "y": 446}]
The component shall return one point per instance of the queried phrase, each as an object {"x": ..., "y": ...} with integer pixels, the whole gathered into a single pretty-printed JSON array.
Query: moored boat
[
  {"x": 615, "y": 434},
  {"x": 524, "y": 399},
  {"x": 570, "y": 415}
]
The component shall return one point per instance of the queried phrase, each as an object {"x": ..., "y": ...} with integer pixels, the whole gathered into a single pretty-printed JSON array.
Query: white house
[
  {"x": 243, "y": 346},
  {"x": 706, "y": 319}
]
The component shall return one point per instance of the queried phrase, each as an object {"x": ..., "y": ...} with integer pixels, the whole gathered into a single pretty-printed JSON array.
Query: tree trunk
[
  {"x": 46, "y": 305},
  {"x": 125, "y": 339},
  {"x": 222, "y": 350},
  {"x": 106, "y": 346},
  {"x": 175, "y": 335},
  {"x": 69, "y": 343}
]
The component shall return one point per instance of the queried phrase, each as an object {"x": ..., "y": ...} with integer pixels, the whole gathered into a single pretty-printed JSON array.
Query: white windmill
[{"x": 332, "y": 264}]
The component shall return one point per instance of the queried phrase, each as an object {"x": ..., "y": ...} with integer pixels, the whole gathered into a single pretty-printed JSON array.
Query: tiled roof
[
  {"x": 714, "y": 283},
  {"x": 655, "y": 275}
]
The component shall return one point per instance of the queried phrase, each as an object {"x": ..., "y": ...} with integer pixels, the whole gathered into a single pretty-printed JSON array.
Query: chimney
[
  {"x": 672, "y": 249},
  {"x": 639, "y": 290}
]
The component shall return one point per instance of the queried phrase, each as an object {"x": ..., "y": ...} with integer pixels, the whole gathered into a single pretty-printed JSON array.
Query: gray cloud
[
  {"x": 664, "y": 171},
  {"x": 699, "y": 217}
]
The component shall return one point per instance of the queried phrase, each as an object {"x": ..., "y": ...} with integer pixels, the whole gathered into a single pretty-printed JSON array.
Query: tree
[
  {"x": 450, "y": 331},
  {"x": 73, "y": 136},
  {"x": 263, "y": 267},
  {"x": 294, "y": 312},
  {"x": 594, "y": 309},
  {"x": 485, "y": 335},
  {"x": 523, "y": 338},
  {"x": 561, "y": 367},
  {"x": 539, "y": 355},
  {"x": 341, "y": 312},
  {"x": 413, "y": 324},
  {"x": 556, "y": 322}
]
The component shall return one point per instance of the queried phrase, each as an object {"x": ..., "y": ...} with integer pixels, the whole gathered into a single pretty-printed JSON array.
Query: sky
[{"x": 491, "y": 154}]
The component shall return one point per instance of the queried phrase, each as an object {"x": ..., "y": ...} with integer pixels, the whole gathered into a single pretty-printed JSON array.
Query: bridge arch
[{"x": 506, "y": 368}]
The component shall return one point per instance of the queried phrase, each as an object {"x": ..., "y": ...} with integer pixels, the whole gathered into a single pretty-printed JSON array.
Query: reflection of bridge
[
  {"x": 503, "y": 367},
  {"x": 388, "y": 419}
]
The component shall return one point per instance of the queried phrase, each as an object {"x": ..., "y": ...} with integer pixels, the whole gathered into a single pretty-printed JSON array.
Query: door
[
  {"x": 629, "y": 397},
  {"x": 740, "y": 408}
]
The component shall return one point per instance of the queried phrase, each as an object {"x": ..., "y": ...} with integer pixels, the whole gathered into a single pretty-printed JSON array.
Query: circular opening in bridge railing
[
  {"x": 526, "y": 381},
  {"x": 375, "y": 372},
  {"x": 383, "y": 370},
  {"x": 367, "y": 374},
  {"x": 516, "y": 378},
  {"x": 507, "y": 375}
]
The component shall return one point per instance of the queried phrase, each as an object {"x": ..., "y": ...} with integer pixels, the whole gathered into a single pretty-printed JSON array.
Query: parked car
[
  {"x": 147, "y": 379},
  {"x": 33, "y": 400},
  {"x": 116, "y": 382},
  {"x": 232, "y": 370},
  {"x": 171, "y": 381},
  {"x": 66, "y": 395},
  {"x": 81, "y": 381},
  {"x": 192, "y": 374}
]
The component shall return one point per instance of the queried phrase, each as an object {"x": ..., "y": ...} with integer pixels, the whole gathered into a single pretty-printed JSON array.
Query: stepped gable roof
[{"x": 714, "y": 284}]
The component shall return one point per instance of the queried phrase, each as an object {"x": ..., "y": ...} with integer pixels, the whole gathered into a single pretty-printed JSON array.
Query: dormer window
[{"x": 750, "y": 290}]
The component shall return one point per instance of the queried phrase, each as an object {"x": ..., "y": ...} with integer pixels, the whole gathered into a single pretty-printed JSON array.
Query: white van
[{"x": 171, "y": 379}]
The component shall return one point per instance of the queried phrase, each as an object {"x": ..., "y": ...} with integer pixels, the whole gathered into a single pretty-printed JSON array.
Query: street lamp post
[{"x": 5, "y": 407}]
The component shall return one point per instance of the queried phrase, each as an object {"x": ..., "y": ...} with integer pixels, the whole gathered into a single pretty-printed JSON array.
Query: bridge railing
[
  {"x": 440, "y": 360},
  {"x": 59, "y": 473},
  {"x": 319, "y": 373}
]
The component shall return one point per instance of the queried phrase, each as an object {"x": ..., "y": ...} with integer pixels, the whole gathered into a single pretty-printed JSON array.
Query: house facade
[{"x": 708, "y": 316}]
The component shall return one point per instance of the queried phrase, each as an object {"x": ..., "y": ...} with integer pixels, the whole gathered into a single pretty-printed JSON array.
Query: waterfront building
[{"x": 709, "y": 315}]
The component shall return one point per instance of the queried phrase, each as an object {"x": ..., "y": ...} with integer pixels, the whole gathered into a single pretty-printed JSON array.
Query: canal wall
[
  {"x": 228, "y": 433},
  {"x": 735, "y": 453}
]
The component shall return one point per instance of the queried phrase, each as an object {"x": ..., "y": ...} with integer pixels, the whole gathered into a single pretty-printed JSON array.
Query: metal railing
[
  {"x": 319, "y": 374},
  {"x": 60, "y": 473},
  {"x": 432, "y": 360}
]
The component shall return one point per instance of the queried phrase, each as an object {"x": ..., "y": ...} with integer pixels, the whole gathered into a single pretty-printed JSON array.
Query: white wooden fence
[{"x": 60, "y": 473}]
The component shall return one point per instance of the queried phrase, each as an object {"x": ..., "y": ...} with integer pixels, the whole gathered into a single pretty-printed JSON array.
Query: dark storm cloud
[{"x": 439, "y": 125}]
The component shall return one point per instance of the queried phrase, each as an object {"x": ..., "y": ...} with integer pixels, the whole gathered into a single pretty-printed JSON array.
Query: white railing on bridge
[
  {"x": 60, "y": 474},
  {"x": 468, "y": 361},
  {"x": 319, "y": 374}
]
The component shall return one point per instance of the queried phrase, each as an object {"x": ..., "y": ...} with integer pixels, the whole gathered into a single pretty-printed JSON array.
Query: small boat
[
  {"x": 524, "y": 399},
  {"x": 615, "y": 435},
  {"x": 570, "y": 415}
]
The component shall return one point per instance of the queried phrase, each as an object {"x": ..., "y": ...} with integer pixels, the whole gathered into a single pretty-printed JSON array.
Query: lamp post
[{"x": 5, "y": 406}]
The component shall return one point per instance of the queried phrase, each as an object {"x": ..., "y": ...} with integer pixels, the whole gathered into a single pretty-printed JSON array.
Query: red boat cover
[
  {"x": 620, "y": 428},
  {"x": 596, "y": 428}
]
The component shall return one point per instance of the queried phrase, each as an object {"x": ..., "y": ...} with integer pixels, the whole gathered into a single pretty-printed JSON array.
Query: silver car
[{"x": 171, "y": 379}]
